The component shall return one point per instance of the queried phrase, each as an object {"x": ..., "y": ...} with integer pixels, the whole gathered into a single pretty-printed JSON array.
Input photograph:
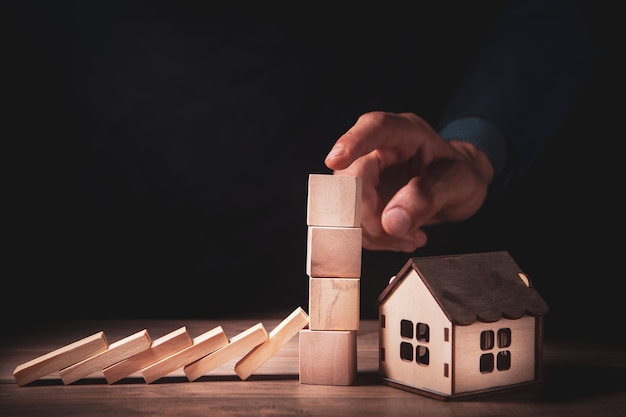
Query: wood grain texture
[
  {"x": 334, "y": 252},
  {"x": 278, "y": 337},
  {"x": 334, "y": 303},
  {"x": 334, "y": 200},
  {"x": 328, "y": 357},
  {"x": 202, "y": 345},
  {"x": 238, "y": 346},
  {"x": 583, "y": 378},
  {"x": 161, "y": 348},
  {"x": 60, "y": 358},
  {"x": 116, "y": 352}
]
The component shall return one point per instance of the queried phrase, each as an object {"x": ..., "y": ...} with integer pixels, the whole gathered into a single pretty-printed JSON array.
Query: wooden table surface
[{"x": 580, "y": 380}]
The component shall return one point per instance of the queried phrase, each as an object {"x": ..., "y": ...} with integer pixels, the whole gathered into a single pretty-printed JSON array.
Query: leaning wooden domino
[
  {"x": 60, "y": 358},
  {"x": 280, "y": 335},
  {"x": 202, "y": 345},
  {"x": 116, "y": 352},
  {"x": 238, "y": 346},
  {"x": 333, "y": 264},
  {"x": 161, "y": 348}
]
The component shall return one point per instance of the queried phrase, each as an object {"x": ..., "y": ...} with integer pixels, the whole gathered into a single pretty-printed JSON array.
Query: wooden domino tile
[
  {"x": 281, "y": 334},
  {"x": 334, "y": 252},
  {"x": 202, "y": 345},
  {"x": 161, "y": 348},
  {"x": 116, "y": 352},
  {"x": 238, "y": 346},
  {"x": 328, "y": 357},
  {"x": 334, "y": 200},
  {"x": 60, "y": 358},
  {"x": 334, "y": 303}
]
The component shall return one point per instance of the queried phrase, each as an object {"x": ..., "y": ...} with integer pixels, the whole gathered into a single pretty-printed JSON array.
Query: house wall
[
  {"x": 467, "y": 354},
  {"x": 412, "y": 301}
]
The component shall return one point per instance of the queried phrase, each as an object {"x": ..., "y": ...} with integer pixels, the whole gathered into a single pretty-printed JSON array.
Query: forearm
[{"x": 522, "y": 85}]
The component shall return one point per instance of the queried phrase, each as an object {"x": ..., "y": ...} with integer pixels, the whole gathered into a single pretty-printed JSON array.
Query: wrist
[
  {"x": 486, "y": 141},
  {"x": 479, "y": 160}
]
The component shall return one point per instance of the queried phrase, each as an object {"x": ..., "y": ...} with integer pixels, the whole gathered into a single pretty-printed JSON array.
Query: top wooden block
[{"x": 334, "y": 200}]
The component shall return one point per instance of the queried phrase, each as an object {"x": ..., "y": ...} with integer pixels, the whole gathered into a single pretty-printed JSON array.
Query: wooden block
[
  {"x": 61, "y": 358},
  {"x": 328, "y": 357},
  {"x": 202, "y": 345},
  {"x": 280, "y": 335},
  {"x": 334, "y": 303},
  {"x": 116, "y": 352},
  {"x": 239, "y": 345},
  {"x": 334, "y": 200},
  {"x": 334, "y": 252},
  {"x": 161, "y": 348}
]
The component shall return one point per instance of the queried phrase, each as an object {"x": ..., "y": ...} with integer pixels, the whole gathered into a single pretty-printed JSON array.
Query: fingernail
[
  {"x": 397, "y": 221},
  {"x": 335, "y": 151}
]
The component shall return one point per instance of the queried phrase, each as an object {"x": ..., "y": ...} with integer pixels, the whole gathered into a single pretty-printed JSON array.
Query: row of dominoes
[
  {"x": 328, "y": 348},
  {"x": 154, "y": 359}
]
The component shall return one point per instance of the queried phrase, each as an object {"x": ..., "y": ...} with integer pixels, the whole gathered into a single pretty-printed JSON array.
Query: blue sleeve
[{"x": 522, "y": 84}]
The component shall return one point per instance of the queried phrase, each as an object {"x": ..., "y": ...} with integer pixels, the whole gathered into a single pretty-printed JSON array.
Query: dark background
[{"x": 157, "y": 156}]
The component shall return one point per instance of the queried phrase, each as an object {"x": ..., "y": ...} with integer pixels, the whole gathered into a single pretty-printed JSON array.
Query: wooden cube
[
  {"x": 334, "y": 303},
  {"x": 334, "y": 252},
  {"x": 327, "y": 357},
  {"x": 334, "y": 200}
]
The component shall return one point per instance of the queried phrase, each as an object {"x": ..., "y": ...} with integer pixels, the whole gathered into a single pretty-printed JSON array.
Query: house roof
[{"x": 477, "y": 286}]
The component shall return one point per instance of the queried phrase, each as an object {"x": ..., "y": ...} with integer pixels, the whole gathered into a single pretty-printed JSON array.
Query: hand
[{"x": 411, "y": 177}]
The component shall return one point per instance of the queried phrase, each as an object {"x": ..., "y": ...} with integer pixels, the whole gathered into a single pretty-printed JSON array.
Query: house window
[
  {"x": 382, "y": 354},
  {"x": 486, "y": 363},
  {"x": 446, "y": 370},
  {"x": 504, "y": 338},
  {"x": 486, "y": 340},
  {"x": 446, "y": 334},
  {"x": 382, "y": 321},
  {"x": 422, "y": 355},
  {"x": 406, "y": 329},
  {"x": 421, "y": 332},
  {"x": 502, "y": 358},
  {"x": 406, "y": 351}
]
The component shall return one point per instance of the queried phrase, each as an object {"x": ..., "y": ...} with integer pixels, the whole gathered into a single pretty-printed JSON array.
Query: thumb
[{"x": 408, "y": 210}]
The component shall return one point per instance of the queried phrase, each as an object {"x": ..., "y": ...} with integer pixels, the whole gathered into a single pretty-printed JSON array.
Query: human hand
[{"x": 411, "y": 177}]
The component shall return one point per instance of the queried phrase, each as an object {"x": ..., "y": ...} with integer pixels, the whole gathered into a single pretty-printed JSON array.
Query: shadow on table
[
  {"x": 565, "y": 383},
  {"x": 573, "y": 381}
]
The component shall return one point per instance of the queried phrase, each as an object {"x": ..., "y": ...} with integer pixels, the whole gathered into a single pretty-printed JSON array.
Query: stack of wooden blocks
[{"x": 328, "y": 348}]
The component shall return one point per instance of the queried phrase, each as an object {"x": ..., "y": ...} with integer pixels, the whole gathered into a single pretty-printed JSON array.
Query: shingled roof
[{"x": 477, "y": 286}]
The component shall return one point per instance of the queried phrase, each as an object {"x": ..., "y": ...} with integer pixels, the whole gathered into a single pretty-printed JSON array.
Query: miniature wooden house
[{"x": 462, "y": 325}]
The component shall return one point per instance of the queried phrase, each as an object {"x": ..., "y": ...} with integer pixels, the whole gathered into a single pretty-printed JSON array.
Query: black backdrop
[{"x": 157, "y": 157}]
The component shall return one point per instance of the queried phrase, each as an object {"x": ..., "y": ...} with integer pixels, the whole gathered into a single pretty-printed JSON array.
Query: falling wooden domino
[
  {"x": 116, "y": 352},
  {"x": 328, "y": 357},
  {"x": 238, "y": 346},
  {"x": 161, "y": 348},
  {"x": 60, "y": 358},
  {"x": 334, "y": 303},
  {"x": 202, "y": 345},
  {"x": 280, "y": 335},
  {"x": 334, "y": 200}
]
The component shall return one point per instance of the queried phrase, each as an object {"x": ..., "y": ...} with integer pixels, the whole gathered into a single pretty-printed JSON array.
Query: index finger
[{"x": 374, "y": 130}]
